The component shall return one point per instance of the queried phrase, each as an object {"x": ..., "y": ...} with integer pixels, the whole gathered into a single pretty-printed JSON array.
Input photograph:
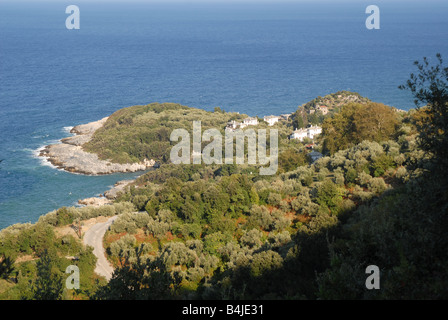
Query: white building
[
  {"x": 299, "y": 134},
  {"x": 233, "y": 125},
  {"x": 271, "y": 120},
  {"x": 313, "y": 131},
  {"x": 251, "y": 121},
  {"x": 309, "y": 132}
]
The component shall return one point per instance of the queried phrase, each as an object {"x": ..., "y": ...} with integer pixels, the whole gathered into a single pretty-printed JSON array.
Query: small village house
[
  {"x": 313, "y": 131},
  {"x": 271, "y": 120},
  {"x": 232, "y": 125},
  {"x": 250, "y": 121},
  {"x": 299, "y": 134},
  {"x": 309, "y": 132}
]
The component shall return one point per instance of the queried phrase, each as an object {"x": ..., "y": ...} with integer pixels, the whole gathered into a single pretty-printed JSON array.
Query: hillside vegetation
[
  {"x": 309, "y": 114},
  {"x": 307, "y": 233},
  {"x": 143, "y": 132},
  {"x": 377, "y": 197},
  {"x": 358, "y": 122}
]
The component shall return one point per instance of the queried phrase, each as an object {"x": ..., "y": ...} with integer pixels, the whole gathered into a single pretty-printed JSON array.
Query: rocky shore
[
  {"x": 119, "y": 187},
  {"x": 70, "y": 156},
  {"x": 94, "y": 201},
  {"x": 108, "y": 196}
]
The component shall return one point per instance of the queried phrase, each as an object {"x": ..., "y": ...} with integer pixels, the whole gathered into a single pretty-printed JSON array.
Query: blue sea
[{"x": 258, "y": 58}]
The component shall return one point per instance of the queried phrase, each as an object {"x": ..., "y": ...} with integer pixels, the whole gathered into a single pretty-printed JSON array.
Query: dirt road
[{"x": 94, "y": 238}]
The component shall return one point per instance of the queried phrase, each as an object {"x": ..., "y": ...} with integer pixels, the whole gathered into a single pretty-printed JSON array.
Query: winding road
[{"x": 94, "y": 238}]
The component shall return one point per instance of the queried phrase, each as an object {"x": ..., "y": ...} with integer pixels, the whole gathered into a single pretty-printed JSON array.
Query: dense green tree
[
  {"x": 329, "y": 195},
  {"x": 6, "y": 267},
  {"x": 300, "y": 119},
  {"x": 358, "y": 122},
  {"x": 48, "y": 285},
  {"x": 64, "y": 216},
  {"x": 430, "y": 90},
  {"x": 290, "y": 159},
  {"x": 380, "y": 164}
]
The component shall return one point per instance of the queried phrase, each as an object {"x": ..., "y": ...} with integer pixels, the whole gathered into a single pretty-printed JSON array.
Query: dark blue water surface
[{"x": 255, "y": 58}]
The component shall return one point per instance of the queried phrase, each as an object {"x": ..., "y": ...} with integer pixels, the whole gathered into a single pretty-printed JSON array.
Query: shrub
[
  {"x": 360, "y": 195},
  {"x": 364, "y": 178},
  {"x": 157, "y": 228},
  {"x": 339, "y": 179},
  {"x": 265, "y": 261},
  {"x": 350, "y": 176},
  {"x": 260, "y": 217},
  {"x": 279, "y": 239},
  {"x": 274, "y": 199},
  {"x": 377, "y": 185},
  {"x": 284, "y": 206},
  {"x": 124, "y": 223},
  {"x": 123, "y": 247},
  {"x": 252, "y": 238},
  {"x": 192, "y": 230},
  {"x": 64, "y": 216},
  {"x": 401, "y": 173},
  {"x": 280, "y": 221},
  {"x": 329, "y": 195},
  {"x": 212, "y": 242},
  {"x": 139, "y": 201}
]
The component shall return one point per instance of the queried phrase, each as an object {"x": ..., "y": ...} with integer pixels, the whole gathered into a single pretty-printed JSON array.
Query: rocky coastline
[
  {"x": 107, "y": 197},
  {"x": 70, "y": 156}
]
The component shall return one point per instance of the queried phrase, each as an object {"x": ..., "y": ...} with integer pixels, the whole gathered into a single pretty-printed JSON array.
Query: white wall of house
[
  {"x": 310, "y": 132},
  {"x": 250, "y": 121},
  {"x": 299, "y": 134},
  {"x": 271, "y": 120}
]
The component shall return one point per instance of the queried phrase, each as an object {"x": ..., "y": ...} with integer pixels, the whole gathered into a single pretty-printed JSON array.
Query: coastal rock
[
  {"x": 95, "y": 201},
  {"x": 118, "y": 187},
  {"x": 89, "y": 128},
  {"x": 78, "y": 140},
  {"x": 70, "y": 156},
  {"x": 74, "y": 159},
  {"x": 150, "y": 163}
]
